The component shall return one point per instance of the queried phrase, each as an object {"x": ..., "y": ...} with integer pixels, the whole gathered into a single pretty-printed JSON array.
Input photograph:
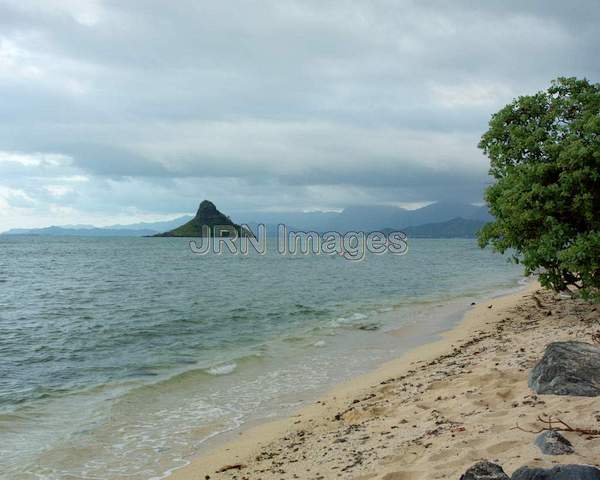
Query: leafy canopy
[{"x": 544, "y": 152}]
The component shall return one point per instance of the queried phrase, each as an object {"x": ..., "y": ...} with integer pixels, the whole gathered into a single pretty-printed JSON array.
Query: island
[{"x": 208, "y": 222}]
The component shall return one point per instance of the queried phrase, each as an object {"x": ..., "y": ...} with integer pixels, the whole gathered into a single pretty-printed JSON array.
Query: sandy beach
[{"x": 433, "y": 412}]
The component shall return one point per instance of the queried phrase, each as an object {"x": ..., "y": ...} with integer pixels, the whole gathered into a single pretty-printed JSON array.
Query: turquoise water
[{"x": 123, "y": 356}]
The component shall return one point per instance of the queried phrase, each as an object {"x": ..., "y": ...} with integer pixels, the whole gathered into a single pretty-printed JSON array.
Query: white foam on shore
[
  {"x": 224, "y": 369},
  {"x": 355, "y": 317}
]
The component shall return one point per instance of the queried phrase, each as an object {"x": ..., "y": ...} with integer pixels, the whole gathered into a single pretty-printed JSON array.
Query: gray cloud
[{"x": 275, "y": 104}]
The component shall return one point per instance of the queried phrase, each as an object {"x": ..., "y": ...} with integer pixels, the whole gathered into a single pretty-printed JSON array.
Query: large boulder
[
  {"x": 485, "y": 470},
  {"x": 560, "y": 472},
  {"x": 568, "y": 368},
  {"x": 553, "y": 443}
]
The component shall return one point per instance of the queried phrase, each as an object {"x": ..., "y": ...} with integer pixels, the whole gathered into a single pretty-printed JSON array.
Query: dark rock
[
  {"x": 369, "y": 327},
  {"x": 568, "y": 368},
  {"x": 560, "y": 472},
  {"x": 485, "y": 470},
  {"x": 553, "y": 443}
]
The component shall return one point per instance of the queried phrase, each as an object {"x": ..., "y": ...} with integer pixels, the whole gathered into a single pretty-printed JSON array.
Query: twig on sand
[
  {"x": 235, "y": 466},
  {"x": 560, "y": 426}
]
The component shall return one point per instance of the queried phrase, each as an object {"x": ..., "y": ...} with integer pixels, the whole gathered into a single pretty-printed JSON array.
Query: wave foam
[
  {"x": 224, "y": 369},
  {"x": 341, "y": 321}
]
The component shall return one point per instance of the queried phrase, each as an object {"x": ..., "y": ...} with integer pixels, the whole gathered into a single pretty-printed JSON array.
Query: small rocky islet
[{"x": 208, "y": 222}]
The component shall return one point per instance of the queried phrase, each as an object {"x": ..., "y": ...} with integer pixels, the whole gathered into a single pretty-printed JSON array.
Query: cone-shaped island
[{"x": 208, "y": 222}]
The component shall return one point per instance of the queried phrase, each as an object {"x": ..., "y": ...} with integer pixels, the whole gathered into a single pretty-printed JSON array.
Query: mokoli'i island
[
  {"x": 207, "y": 222},
  {"x": 299, "y": 240}
]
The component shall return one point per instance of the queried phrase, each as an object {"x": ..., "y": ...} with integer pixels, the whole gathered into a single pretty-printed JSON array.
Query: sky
[{"x": 125, "y": 111}]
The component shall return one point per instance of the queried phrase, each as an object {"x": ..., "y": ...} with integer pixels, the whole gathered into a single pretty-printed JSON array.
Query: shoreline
[
  {"x": 441, "y": 317},
  {"x": 262, "y": 448}
]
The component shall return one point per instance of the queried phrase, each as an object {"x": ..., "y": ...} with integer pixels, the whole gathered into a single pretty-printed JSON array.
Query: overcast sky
[{"x": 120, "y": 111}]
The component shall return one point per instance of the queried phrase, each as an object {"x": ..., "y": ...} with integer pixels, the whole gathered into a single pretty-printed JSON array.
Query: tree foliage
[{"x": 544, "y": 152}]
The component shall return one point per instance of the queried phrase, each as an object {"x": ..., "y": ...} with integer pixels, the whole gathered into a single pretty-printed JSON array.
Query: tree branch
[{"x": 558, "y": 425}]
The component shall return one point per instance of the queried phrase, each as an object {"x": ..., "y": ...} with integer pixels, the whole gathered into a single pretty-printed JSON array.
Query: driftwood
[
  {"x": 236, "y": 466},
  {"x": 559, "y": 425},
  {"x": 537, "y": 301}
]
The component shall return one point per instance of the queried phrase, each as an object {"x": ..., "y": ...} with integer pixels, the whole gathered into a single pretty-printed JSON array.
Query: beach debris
[
  {"x": 537, "y": 301},
  {"x": 596, "y": 337},
  {"x": 235, "y": 466},
  {"x": 358, "y": 459},
  {"x": 558, "y": 425},
  {"x": 568, "y": 368},
  {"x": 369, "y": 327},
  {"x": 559, "y": 472},
  {"x": 485, "y": 470},
  {"x": 553, "y": 443}
]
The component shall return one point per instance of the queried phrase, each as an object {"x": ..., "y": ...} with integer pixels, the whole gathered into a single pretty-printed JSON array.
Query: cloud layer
[{"x": 122, "y": 111}]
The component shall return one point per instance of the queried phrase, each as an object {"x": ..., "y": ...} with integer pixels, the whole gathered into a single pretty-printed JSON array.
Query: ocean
[{"x": 125, "y": 357}]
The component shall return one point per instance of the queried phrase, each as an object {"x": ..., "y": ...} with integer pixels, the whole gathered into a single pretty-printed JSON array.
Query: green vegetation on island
[{"x": 207, "y": 222}]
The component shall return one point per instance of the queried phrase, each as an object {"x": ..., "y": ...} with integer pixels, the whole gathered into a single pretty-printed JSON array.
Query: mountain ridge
[
  {"x": 358, "y": 217},
  {"x": 457, "y": 227}
]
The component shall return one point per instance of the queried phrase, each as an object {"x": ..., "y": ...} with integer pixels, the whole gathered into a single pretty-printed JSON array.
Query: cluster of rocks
[{"x": 566, "y": 368}]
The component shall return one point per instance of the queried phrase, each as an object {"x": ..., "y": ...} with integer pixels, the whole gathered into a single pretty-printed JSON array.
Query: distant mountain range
[
  {"x": 154, "y": 226},
  {"x": 455, "y": 228},
  {"x": 436, "y": 220},
  {"x": 369, "y": 218},
  {"x": 79, "y": 232},
  {"x": 130, "y": 230}
]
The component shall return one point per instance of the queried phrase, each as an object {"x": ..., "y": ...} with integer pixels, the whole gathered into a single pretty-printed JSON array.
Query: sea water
[{"x": 124, "y": 357}]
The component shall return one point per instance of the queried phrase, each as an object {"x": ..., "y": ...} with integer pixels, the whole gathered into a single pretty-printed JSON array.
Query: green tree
[{"x": 544, "y": 152}]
